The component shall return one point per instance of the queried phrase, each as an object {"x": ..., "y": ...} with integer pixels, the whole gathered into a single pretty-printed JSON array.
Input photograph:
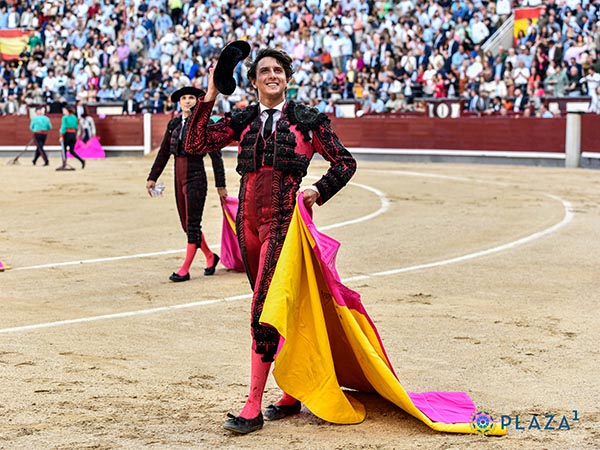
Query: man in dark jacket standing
[{"x": 190, "y": 182}]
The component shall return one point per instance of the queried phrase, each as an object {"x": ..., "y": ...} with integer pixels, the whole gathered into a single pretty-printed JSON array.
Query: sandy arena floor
[{"x": 479, "y": 278}]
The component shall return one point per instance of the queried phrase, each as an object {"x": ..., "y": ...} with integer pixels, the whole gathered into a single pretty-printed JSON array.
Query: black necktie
[
  {"x": 268, "y": 127},
  {"x": 182, "y": 128}
]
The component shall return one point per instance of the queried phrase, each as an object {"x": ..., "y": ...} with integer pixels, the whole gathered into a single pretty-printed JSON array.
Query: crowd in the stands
[{"x": 386, "y": 56}]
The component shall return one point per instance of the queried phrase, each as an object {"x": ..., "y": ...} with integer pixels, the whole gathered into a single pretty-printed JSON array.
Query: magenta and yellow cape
[{"x": 329, "y": 341}]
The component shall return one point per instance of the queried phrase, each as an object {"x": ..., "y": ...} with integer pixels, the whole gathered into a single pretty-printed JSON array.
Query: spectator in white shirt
[
  {"x": 49, "y": 82},
  {"x": 474, "y": 69},
  {"x": 521, "y": 75},
  {"x": 13, "y": 18},
  {"x": 479, "y": 31},
  {"x": 503, "y": 7},
  {"x": 593, "y": 84}
]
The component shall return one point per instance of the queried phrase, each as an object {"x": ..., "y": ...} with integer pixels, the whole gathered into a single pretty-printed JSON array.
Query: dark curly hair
[{"x": 282, "y": 58}]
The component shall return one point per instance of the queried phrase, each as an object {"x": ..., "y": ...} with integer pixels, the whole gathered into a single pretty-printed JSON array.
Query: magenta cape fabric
[
  {"x": 230, "y": 248},
  {"x": 91, "y": 149}
]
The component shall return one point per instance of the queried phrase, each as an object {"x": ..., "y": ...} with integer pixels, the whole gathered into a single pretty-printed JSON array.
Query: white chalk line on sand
[
  {"x": 97, "y": 260},
  {"x": 567, "y": 218},
  {"x": 384, "y": 206}
]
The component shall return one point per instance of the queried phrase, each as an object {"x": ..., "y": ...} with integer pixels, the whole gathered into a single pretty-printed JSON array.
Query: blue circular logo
[{"x": 482, "y": 422}]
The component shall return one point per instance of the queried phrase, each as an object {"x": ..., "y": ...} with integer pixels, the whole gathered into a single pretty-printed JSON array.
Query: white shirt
[
  {"x": 593, "y": 81},
  {"x": 263, "y": 117},
  {"x": 503, "y": 7},
  {"x": 479, "y": 31},
  {"x": 264, "y": 114}
]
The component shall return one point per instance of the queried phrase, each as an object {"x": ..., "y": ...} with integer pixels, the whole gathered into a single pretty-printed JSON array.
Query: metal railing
[{"x": 502, "y": 37}]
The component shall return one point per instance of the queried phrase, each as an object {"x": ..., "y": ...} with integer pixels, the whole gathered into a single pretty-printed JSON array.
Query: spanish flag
[
  {"x": 12, "y": 43},
  {"x": 329, "y": 343},
  {"x": 521, "y": 16}
]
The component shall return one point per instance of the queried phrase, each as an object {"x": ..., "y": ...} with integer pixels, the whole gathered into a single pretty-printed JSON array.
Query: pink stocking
[
  {"x": 189, "y": 257},
  {"x": 208, "y": 253},
  {"x": 286, "y": 400},
  {"x": 258, "y": 380}
]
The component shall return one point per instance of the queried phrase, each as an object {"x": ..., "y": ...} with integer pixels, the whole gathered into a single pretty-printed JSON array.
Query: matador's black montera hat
[
  {"x": 231, "y": 55},
  {"x": 187, "y": 90}
]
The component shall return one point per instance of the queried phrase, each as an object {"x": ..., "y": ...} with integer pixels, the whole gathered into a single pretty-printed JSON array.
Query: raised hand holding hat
[{"x": 231, "y": 55}]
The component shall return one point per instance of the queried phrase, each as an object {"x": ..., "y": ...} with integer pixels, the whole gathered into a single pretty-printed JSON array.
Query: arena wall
[{"x": 533, "y": 139}]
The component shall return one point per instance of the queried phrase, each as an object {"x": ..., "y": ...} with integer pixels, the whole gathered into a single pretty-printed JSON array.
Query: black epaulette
[
  {"x": 173, "y": 123},
  {"x": 306, "y": 118},
  {"x": 242, "y": 118}
]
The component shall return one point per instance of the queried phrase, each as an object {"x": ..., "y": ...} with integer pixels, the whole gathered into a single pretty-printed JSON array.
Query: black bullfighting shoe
[
  {"x": 274, "y": 412},
  {"x": 211, "y": 270},
  {"x": 243, "y": 426},
  {"x": 177, "y": 278}
]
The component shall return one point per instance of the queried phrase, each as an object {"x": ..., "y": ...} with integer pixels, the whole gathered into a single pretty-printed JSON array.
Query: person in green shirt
[
  {"x": 68, "y": 135},
  {"x": 40, "y": 126},
  {"x": 34, "y": 40}
]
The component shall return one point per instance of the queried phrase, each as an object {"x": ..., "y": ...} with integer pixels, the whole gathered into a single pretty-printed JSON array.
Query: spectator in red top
[
  {"x": 440, "y": 86},
  {"x": 93, "y": 9}
]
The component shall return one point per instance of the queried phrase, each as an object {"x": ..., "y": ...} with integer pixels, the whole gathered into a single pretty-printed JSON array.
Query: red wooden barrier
[{"x": 369, "y": 131}]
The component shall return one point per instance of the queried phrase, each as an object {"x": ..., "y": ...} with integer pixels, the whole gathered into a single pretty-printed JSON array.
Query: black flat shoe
[
  {"x": 243, "y": 426},
  {"x": 177, "y": 278},
  {"x": 83, "y": 164},
  {"x": 211, "y": 270},
  {"x": 274, "y": 412}
]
